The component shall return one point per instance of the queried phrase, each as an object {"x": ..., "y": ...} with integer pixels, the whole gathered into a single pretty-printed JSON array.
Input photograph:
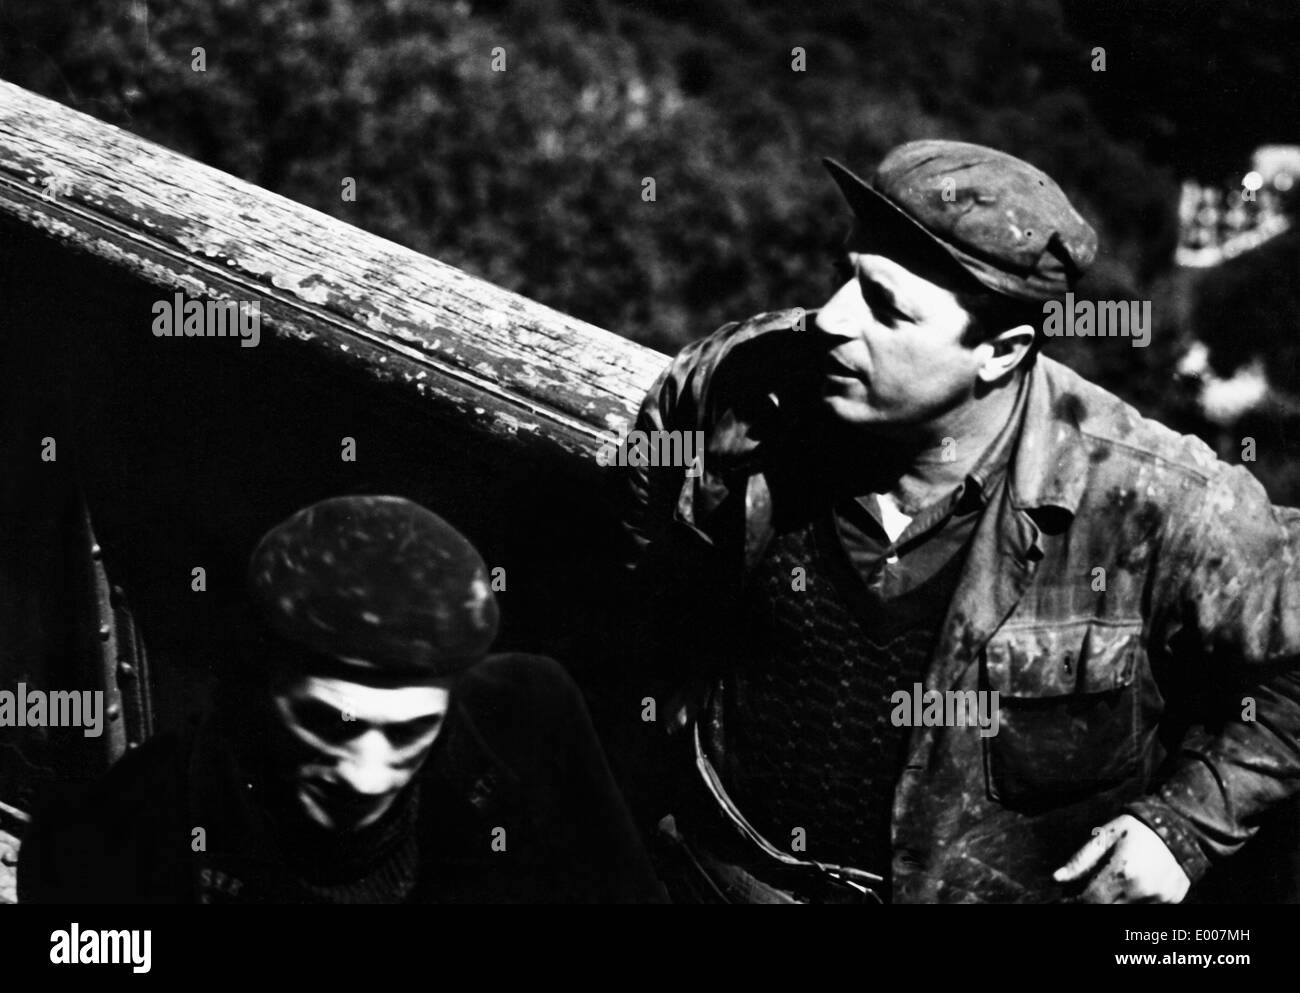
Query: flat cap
[
  {"x": 377, "y": 581},
  {"x": 999, "y": 218}
]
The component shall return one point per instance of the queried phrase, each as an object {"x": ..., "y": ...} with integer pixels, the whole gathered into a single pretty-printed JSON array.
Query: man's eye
[
  {"x": 882, "y": 305},
  {"x": 319, "y": 718},
  {"x": 412, "y": 731}
]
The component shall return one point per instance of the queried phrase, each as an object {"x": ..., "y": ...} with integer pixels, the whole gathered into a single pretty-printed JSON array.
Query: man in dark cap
[
  {"x": 940, "y": 620},
  {"x": 372, "y": 752}
]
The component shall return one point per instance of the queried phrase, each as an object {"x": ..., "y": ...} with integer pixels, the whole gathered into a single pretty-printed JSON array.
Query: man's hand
[{"x": 1139, "y": 869}]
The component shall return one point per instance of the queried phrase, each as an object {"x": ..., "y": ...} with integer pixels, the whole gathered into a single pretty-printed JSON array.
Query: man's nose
[
  {"x": 367, "y": 769},
  {"x": 837, "y": 317}
]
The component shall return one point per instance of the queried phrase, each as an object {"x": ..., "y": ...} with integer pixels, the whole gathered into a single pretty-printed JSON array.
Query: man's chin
[
  {"x": 342, "y": 821},
  {"x": 853, "y": 413}
]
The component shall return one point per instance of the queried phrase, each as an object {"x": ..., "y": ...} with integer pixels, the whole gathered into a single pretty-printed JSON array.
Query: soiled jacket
[{"x": 1134, "y": 601}]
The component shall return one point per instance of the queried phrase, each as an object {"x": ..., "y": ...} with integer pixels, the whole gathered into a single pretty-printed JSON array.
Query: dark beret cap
[
  {"x": 376, "y": 580},
  {"x": 999, "y": 218}
]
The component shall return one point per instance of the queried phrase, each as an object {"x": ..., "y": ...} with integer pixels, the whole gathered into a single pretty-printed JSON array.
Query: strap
[{"x": 859, "y": 879}]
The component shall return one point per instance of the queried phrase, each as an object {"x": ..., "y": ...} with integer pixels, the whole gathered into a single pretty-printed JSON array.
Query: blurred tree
[{"x": 533, "y": 177}]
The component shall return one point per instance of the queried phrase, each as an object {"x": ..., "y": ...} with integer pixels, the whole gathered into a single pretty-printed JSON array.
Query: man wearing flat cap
[
  {"x": 939, "y": 620},
  {"x": 372, "y": 751}
]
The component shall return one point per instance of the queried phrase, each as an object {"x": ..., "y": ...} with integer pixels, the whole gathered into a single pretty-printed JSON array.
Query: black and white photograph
[{"x": 520, "y": 453}]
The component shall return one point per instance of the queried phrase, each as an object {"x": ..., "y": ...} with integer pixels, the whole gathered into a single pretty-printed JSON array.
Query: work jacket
[{"x": 1134, "y": 601}]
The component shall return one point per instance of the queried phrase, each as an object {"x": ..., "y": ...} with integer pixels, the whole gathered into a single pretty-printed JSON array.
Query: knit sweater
[{"x": 810, "y": 743}]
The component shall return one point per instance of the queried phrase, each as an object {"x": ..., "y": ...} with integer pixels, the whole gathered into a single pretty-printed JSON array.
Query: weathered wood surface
[{"x": 498, "y": 363}]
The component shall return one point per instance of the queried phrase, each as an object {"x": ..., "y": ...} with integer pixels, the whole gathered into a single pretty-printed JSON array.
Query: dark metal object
[{"x": 115, "y": 658}]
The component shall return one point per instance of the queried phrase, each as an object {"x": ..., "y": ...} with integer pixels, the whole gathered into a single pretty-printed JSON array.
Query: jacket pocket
[{"x": 1068, "y": 700}]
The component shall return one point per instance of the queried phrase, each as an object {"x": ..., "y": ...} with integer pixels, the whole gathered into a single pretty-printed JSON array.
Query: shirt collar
[{"x": 972, "y": 493}]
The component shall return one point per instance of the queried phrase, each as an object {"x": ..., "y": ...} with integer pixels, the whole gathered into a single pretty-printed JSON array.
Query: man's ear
[{"x": 1004, "y": 352}]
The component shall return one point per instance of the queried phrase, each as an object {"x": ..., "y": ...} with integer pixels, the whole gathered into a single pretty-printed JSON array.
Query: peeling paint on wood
[{"x": 508, "y": 366}]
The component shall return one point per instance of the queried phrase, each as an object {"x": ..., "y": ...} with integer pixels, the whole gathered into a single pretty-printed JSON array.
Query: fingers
[
  {"x": 1112, "y": 884},
  {"x": 1087, "y": 857},
  {"x": 1128, "y": 863}
]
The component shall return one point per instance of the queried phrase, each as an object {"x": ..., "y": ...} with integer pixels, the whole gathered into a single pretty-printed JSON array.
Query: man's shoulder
[
  {"x": 682, "y": 388},
  {"x": 511, "y": 700},
  {"x": 787, "y": 319},
  {"x": 512, "y": 680},
  {"x": 713, "y": 347},
  {"x": 1119, "y": 438},
  {"x": 515, "y": 718}
]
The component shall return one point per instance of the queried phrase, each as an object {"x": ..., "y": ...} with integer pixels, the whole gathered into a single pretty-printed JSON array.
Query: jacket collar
[{"x": 1049, "y": 467}]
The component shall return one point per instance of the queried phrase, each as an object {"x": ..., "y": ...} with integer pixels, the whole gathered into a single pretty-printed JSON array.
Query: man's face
[
  {"x": 900, "y": 361},
  {"x": 352, "y": 747}
]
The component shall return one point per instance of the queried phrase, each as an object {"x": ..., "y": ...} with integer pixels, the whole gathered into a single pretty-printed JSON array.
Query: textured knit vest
[{"x": 810, "y": 743}]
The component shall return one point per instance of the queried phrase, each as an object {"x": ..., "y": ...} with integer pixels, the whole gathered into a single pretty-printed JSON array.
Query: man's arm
[
  {"x": 720, "y": 386},
  {"x": 677, "y": 563},
  {"x": 1240, "y": 599},
  {"x": 674, "y": 403},
  {"x": 524, "y": 716},
  {"x": 1234, "y": 599}
]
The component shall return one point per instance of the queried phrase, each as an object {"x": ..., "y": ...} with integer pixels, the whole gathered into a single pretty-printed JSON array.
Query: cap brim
[{"x": 886, "y": 227}]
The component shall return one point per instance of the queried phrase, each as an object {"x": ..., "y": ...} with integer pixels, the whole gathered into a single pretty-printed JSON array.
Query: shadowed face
[
  {"x": 900, "y": 360},
  {"x": 351, "y": 747}
]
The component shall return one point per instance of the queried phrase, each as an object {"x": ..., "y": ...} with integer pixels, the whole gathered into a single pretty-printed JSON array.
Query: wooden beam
[{"x": 492, "y": 361}]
